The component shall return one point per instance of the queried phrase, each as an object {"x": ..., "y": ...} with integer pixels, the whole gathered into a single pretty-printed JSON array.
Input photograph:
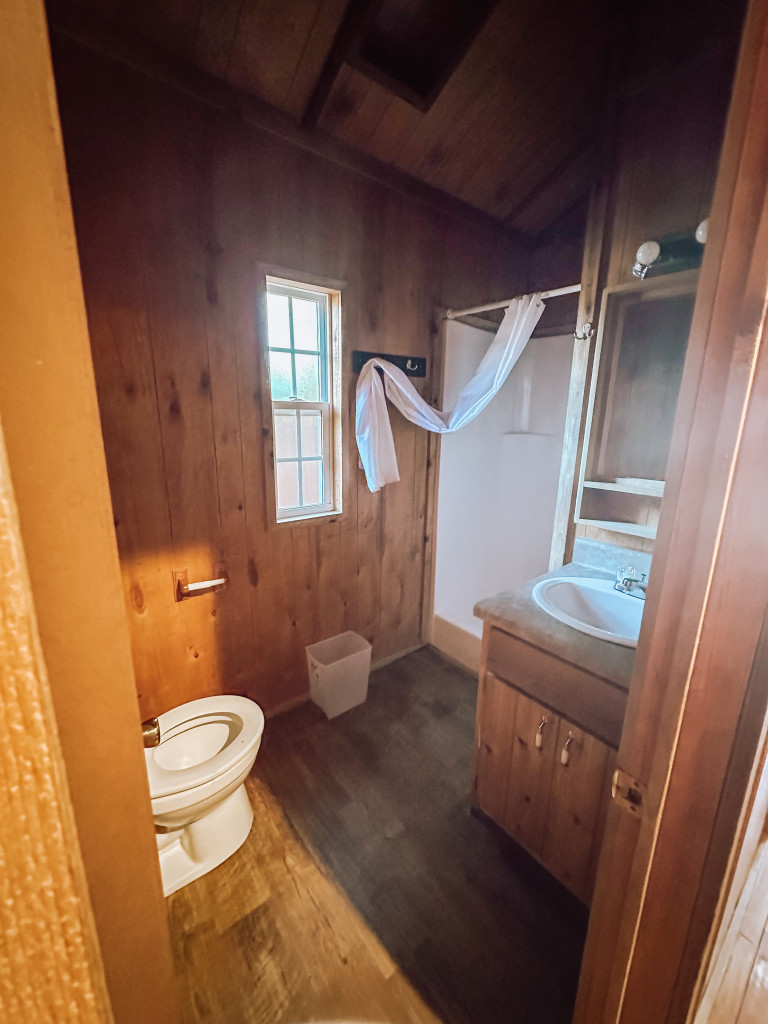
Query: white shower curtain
[{"x": 372, "y": 427}]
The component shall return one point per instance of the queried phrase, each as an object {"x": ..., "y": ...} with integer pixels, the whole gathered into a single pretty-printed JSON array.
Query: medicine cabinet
[{"x": 639, "y": 357}]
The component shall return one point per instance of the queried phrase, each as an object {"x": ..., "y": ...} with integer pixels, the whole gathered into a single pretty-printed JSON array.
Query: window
[{"x": 304, "y": 398}]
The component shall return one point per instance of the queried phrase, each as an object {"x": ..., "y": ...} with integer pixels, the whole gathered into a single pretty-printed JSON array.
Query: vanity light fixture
[
  {"x": 645, "y": 257},
  {"x": 702, "y": 232},
  {"x": 672, "y": 253}
]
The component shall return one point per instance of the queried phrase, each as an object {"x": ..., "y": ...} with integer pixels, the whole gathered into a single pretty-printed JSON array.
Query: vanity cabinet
[
  {"x": 538, "y": 774},
  {"x": 578, "y": 802}
]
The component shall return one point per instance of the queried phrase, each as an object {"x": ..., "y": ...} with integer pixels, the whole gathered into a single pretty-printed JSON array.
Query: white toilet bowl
[{"x": 196, "y": 782}]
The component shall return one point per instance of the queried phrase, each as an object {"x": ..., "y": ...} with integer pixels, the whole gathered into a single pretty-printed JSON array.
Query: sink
[{"x": 592, "y": 606}]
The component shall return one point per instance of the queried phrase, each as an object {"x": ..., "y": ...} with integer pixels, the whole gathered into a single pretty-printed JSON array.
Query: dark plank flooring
[{"x": 381, "y": 797}]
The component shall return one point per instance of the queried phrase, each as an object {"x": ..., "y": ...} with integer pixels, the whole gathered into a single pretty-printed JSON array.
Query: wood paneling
[
  {"x": 735, "y": 993},
  {"x": 129, "y": 48},
  {"x": 509, "y": 116},
  {"x": 513, "y": 115},
  {"x": 271, "y": 49},
  {"x": 703, "y": 625},
  {"x": 668, "y": 145},
  {"x": 741, "y": 831},
  {"x": 515, "y": 128},
  {"x": 279, "y": 49},
  {"x": 176, "y": 206},
  {"x": 738, "y": 986},
  {"x": 659, "y": 164},
  {"x": 78, "y": 843}
]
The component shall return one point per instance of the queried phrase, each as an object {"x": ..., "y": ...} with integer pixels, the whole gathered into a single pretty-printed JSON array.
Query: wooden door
[
  {"x": 494, "y": 745},
  {"x": 660, "y": 871},
  {"x": 533, "y": 761},
  {"x": 580, "y": 787}
]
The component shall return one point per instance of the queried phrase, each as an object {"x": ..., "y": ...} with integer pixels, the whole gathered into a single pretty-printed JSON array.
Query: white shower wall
[{"x": 498, "y": 483}]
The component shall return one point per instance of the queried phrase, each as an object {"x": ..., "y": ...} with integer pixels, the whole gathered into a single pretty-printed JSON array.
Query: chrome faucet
[
  {"x": 628, "y": 583},
  {"x": 150, "y": 731}
]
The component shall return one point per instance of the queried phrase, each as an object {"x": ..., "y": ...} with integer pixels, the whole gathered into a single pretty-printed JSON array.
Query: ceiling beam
[
  {"x": 356, "y": 21},
  {"x": 69, "y": 20}
]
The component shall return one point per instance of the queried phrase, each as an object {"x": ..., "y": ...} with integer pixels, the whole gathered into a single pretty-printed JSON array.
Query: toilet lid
[{"x": 200, "y": 740}]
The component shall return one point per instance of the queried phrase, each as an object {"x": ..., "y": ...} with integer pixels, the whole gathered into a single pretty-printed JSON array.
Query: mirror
[{"x": 639, "y": 358}]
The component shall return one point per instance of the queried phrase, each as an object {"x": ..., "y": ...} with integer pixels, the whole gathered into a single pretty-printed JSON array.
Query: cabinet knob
[
  {"x": 565, "y": 754},
  {"x": 539, "y": 741}
]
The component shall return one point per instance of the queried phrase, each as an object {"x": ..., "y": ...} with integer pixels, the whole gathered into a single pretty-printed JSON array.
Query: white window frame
[{"x": 329, "y": 409}]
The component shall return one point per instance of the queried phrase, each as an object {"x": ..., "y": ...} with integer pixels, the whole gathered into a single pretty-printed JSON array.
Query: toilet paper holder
[{"x": 183, "y": 588}]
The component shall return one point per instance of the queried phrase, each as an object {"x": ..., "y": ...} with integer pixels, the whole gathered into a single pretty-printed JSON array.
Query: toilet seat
[{"x": 200, "y": 741}]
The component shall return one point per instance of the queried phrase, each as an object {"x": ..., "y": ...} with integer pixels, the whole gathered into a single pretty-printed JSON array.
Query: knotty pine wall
[
  {"x": 667, "y": 138},
  {"x": 175, "y": 204}
]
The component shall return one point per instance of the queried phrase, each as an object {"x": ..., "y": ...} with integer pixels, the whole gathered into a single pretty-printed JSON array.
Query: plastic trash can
[{"x": 338, "y": 672}]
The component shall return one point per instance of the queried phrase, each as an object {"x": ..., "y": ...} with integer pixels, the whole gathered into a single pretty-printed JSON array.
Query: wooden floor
[
  {"x": 737, "y": 992},
  {"x": 379, "y": 801},
  {"x": 267, "y": 938}
]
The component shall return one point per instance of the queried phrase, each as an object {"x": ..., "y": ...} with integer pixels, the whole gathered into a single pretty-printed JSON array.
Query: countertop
[{"x": 514, "y": 611}]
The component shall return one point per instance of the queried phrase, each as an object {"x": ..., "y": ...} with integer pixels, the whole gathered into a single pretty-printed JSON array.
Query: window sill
[{"x": 330, "y": 516}]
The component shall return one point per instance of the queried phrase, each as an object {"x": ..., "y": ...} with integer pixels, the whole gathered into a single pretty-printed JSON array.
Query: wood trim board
[{"x": 702, "y": 626}]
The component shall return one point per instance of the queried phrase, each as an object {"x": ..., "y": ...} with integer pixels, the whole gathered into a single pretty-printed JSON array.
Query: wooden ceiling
[{"x": 511, "y": 131}]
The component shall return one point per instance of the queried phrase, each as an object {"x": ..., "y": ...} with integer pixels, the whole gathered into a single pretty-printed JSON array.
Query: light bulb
[
  {"x": 702, "y": 232},
  {"x": 648, "y": 253}
]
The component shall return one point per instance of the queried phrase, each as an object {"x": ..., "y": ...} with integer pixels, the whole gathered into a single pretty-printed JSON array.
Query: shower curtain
[{"x": 373, "y": 430}]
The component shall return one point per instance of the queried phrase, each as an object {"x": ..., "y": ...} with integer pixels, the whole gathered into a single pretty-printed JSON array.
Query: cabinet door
[
  {"x": 533, "y": 762},
  {"x": 579, "y": 791},
  {"x": 497, "y": 706}
]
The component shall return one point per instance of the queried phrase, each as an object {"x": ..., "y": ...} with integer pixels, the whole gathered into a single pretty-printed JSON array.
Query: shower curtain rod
[{"x": 452, "y": 314}]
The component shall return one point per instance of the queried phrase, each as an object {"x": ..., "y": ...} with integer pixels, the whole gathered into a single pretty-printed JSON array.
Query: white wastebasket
[{"x": 338, "y": 672}]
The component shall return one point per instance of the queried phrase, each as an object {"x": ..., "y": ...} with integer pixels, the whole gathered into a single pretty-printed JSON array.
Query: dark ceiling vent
[{"x": 413, "y": 46}]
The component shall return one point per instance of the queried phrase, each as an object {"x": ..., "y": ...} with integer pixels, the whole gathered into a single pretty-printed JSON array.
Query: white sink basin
[{"x": 592, "y": 606}]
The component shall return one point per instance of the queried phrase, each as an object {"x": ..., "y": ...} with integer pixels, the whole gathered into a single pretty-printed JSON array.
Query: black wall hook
[{"x": 412, "y": 366}]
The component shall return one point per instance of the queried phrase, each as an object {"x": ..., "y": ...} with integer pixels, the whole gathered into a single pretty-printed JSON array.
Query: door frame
[{"x": 661, "y": 874}]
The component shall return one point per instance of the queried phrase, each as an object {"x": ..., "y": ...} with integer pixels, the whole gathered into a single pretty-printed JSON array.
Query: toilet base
[{"x": 190, "y": 852}]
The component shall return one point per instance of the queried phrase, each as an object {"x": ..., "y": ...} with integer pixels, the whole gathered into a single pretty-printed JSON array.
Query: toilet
[{"x": 197, "y": 776}]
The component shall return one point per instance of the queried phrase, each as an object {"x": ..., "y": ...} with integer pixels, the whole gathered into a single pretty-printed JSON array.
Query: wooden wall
[
  {"x": 667, "y": 137},
  {"x": 176, "y": 203},
  {"x": 668, "y": 140},
  {"x": 524, "y": 92}
]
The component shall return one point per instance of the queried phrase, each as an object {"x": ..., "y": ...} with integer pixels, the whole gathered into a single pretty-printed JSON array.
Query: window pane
[
  {"x": 311, "y": 433},
  {"x": 280, "y": 375},
  {"x": 287, "y": 484},
  {"x": 307, "y": 378},
  {"x": 286, "y": 442},
  {"x": 298, "y": 358},
  {"x": 278, "y": 322},
  {"x": 305, "y": 324},
  {"x": 312, "y": 482}
]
